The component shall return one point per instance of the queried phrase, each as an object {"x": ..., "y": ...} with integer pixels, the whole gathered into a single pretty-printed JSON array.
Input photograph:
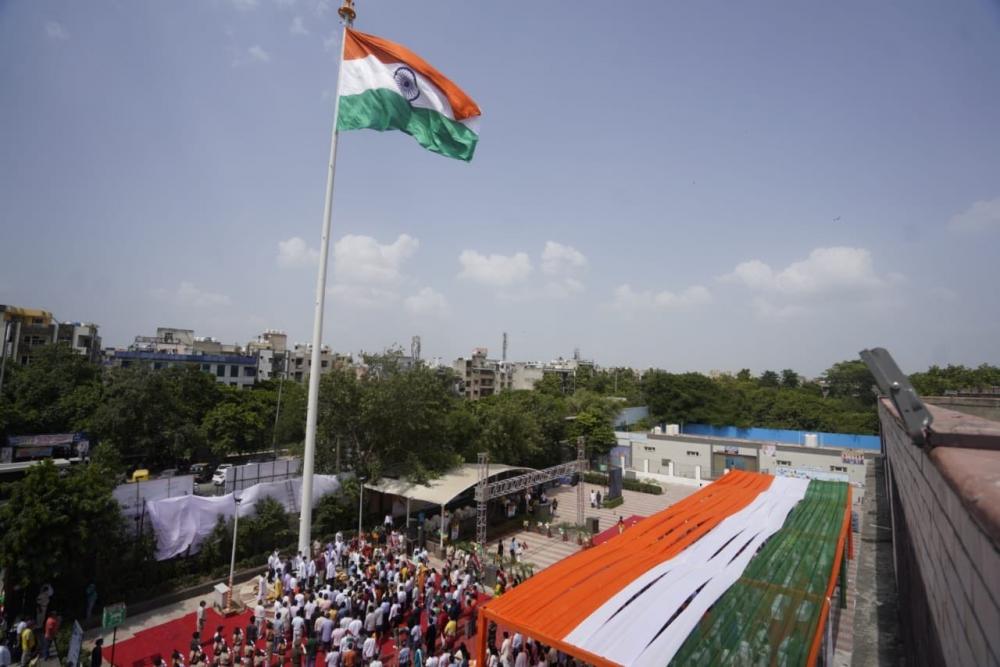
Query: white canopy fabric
[
  {"x": 183, "y": 523},
  {"x": 442, "y": 490}
]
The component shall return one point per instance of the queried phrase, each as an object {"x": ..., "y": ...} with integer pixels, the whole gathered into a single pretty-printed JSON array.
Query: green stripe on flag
[
  {"x": 382, "y": 109},
  {"x": 771, "y": 614}
]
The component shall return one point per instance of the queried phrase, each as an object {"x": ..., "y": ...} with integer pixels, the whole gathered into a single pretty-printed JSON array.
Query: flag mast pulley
[{"x": 347, "y": 12}]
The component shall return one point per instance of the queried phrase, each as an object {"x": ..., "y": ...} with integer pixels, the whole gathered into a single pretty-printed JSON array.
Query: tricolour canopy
[{"x": 642, "y": 597}]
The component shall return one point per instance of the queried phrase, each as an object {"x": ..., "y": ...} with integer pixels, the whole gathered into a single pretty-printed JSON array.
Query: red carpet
[
  {"x": 612, "y": 532},
  {"x": 159, "y": 642}
]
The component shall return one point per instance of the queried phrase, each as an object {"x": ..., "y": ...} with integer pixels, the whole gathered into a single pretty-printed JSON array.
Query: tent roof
[{"x": 444, "y": 489}]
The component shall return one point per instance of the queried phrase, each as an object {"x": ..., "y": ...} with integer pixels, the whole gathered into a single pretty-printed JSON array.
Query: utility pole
[
  {"x": 3, "y": 352},
  {"x": 581, "y": 462},
  {"x": 277, "y": 410}
]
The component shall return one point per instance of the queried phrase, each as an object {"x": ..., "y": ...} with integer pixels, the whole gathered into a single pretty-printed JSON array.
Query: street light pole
[
  {"x": 361, "y": 495},
  {"x": 232, "y": 560}
]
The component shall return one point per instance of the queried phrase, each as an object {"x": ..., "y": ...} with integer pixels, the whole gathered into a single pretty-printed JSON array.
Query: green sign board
[{"x": 114, "y": 615}]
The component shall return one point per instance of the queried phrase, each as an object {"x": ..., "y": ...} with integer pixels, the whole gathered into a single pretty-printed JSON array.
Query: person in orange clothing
[{"x": 49, "y": 634}]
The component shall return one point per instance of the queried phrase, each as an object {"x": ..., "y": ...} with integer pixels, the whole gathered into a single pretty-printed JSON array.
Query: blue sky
[{"x": 696, "y": 185}]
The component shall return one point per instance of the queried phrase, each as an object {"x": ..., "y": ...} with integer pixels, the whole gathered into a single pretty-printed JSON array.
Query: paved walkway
[{"x": 543, "y": 551}]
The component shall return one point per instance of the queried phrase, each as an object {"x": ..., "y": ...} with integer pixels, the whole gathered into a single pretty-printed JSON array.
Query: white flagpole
[{"x": 309, "y": 454}]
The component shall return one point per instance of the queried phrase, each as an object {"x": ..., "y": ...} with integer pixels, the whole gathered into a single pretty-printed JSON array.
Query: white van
[{"x": 219, "y": 478}]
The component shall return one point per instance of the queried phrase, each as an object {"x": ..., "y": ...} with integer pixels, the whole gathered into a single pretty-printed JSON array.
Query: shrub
[
  {"x": 630, "y": 484},
  {"x": 611, "y": 503}
]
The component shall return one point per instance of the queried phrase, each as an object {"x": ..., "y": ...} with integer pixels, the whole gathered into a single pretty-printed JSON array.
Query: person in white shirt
[
  {"x": 355, "y": 627},
  {"x": 298, "y": 627},
  {"x": 370, "y": 621},
  {"x": 506, "y": 651},
  {"x": 522, "y": 659},
  {"x": 259, "y": 614},
  {"x": 368, "y": 648},
  {"x": 333, "y": 657}
]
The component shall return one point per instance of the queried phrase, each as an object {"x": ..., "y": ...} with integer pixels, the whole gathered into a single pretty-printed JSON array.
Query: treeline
[
  {"x": 842, "y": 402},
  {"x": 413, "y": 420},
  {"x": 938, "y": 381},
  {"x": 390, "y": 420},
  {"x": 144, "y": 417}
]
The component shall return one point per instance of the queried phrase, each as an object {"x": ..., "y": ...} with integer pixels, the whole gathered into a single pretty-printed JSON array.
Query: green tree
[
  {"x": 789, "y": 379},
  {"x": 552, "y": 384},
  {"x": 390, "y": 423},
  {"x": 240, "y": 423},
  {"x": 267, "y": 529},
  {"x": 769, "y": 379},
  {"x": 745, "y": 375},
  {"x": 508, "y": 433},
  {"x": 851, "y": 380},
  {"x": 56, "y": 393},
  {"x": 936, "y": 381},
  {"x": 65, "y": 529},
  {"x": 153, "y": 418}
]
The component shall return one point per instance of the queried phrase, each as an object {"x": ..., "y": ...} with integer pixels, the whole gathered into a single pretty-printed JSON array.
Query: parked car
[
  {"x": 219, "y": 478},
  {"x": 169, "y": 472},
  {"x": 202, "y": 472}
]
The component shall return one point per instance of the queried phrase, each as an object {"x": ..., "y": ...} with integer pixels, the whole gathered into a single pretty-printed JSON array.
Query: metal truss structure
[{"x": 487, "y": 491}]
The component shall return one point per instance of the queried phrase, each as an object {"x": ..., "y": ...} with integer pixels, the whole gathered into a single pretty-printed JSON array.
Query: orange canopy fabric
[{"x": 549, "y": 605}]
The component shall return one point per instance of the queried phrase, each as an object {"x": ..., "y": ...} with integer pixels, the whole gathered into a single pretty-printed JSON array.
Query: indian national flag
[{"x": 385, "y": 86}]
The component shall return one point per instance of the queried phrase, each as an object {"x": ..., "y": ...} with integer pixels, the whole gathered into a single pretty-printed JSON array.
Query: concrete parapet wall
[{"x": 947, "y": 565}]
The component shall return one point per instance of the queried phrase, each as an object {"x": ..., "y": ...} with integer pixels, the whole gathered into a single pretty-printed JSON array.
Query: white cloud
[
  {"x": 333, "y": 41},
  {"x": 982, "y": 216},
  {"x": 834, "y": 270},
  {"x": 189, "y": 295},
  {"x": 298, "y": 27},
  {"x": 427, "y": 302},
  {"x": 56, "y": 30},
  {"x": 627, "y": 299},
  {"x": 258, "y": 54},
  {"x": 295, "y": 253},
  {"x": 559, "y": 259},
  {"x": 244, "y": 5},
  {"x": 363, "y": 296},
  {"x": 496, "y": 270},
  {"x": 363, "y": 260}
]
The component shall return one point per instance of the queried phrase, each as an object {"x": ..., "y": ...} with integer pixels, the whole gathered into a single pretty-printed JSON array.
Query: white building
[{"x": 695, "y": 459}]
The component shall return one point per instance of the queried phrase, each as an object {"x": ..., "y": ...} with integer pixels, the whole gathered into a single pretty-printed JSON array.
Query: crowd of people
[
  {"x": 26, "y": 641},
  {"x": 350, "y": 605}
]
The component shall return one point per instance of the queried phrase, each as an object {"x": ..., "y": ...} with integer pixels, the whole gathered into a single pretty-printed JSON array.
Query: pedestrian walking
[{"x": 200, "y": 618}]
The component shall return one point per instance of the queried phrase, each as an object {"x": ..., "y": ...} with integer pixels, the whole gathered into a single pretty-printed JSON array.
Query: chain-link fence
[
  {"x": 132, "y": 497},
  {"x": 245, "y": 476}
]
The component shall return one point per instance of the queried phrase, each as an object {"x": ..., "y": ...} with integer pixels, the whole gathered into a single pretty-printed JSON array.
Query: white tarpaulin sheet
[
  {"x": 182, "y": 524},
  {"x": 131, "y": 496}
]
